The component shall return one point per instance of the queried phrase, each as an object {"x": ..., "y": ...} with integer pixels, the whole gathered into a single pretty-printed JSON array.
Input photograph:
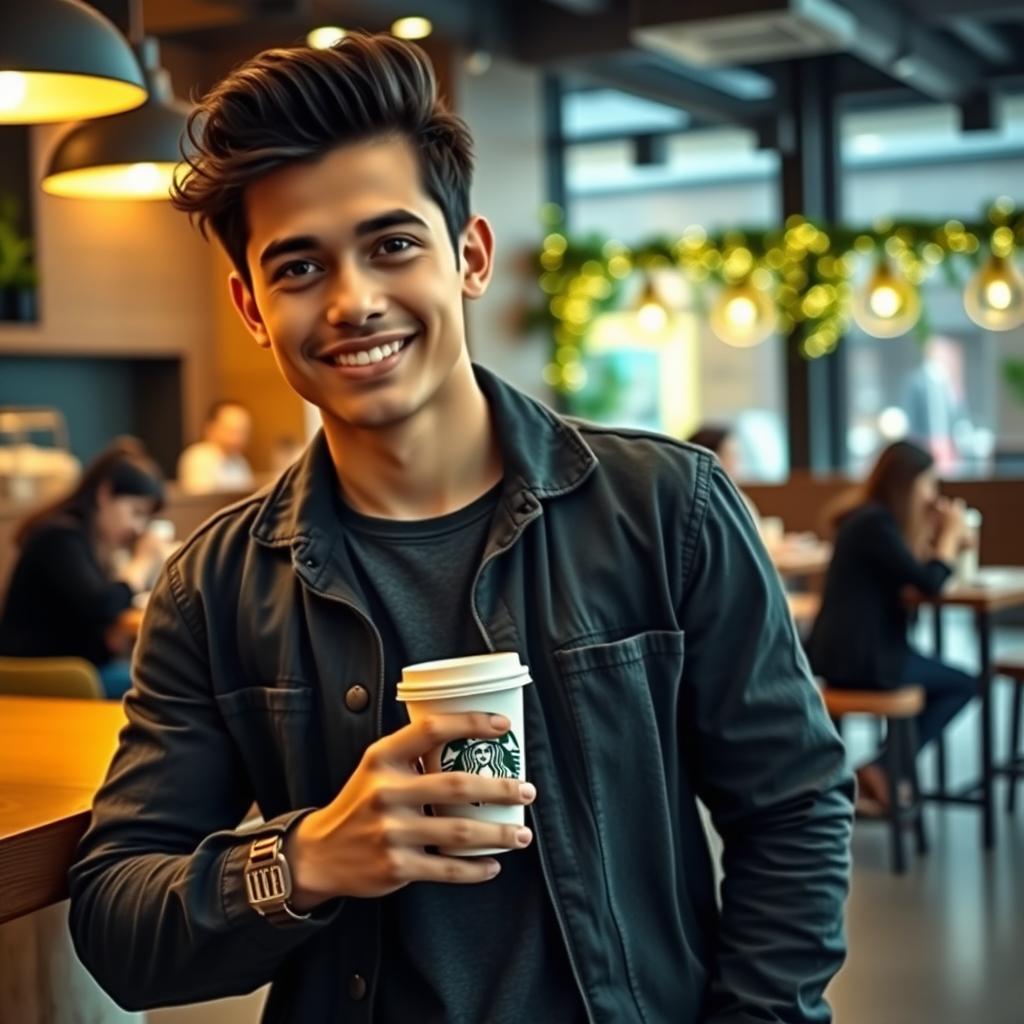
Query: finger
[
  {"x": 465, "y": 834},
  {"x": 413, "y": 741},
  {"x": 434, "y": 867},
  {"x": 463, "y": 788}
]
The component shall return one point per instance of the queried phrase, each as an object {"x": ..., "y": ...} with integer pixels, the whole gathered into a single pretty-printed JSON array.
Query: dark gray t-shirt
[{"x": 453, "y": 954}]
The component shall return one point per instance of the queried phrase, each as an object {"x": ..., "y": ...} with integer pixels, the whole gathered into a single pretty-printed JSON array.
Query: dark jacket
[
  {"x": 860, "y": 635},
  {"x": 625, "y": 570},
  {"x": 60, "y": 602}
]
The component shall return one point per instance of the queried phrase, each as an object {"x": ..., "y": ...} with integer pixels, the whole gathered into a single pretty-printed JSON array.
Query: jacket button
[
  {"x": 356, "y": 699},
  {"x": 311, "y": 562},
  {"x": 357, "y": 987}
]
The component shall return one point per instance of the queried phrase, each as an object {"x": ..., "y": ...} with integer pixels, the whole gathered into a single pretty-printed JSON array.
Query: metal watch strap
[{"x": 268, "y": 883}]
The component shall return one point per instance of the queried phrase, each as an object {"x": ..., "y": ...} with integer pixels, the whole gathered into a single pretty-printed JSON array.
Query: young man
[
  {"x": 218, "y": 462},
  {"x": 441, "y": 513}
]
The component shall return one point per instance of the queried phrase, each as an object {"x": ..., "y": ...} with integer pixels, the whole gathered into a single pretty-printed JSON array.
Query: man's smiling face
[{"x": 355, "y": 284}]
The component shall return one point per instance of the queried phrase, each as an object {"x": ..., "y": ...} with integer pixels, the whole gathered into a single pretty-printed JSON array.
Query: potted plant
[{"x": 18, "y": 275}]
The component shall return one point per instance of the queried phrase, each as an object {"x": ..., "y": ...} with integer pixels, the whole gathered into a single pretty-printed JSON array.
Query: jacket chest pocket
[{"x": 274, "y": 729}]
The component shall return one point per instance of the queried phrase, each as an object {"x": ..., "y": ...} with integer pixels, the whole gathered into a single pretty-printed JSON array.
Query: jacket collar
[{"x": 544, "y": 457}]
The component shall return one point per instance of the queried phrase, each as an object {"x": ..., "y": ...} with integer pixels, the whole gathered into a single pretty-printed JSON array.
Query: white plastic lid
[{"x": 480, "y": 673}]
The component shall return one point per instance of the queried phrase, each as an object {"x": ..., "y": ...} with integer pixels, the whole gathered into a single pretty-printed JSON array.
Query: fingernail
[
  {"x": 523, "y": 836},
  {"x": 527, "y": 790},
  {"x": 500, "y": 722},
  {"x": 493, "y": 867}
]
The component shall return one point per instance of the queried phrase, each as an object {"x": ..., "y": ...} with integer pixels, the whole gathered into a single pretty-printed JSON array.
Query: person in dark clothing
[
  {"x": 440, "y": 512},
  {"x": 68, "y": 586},
  {"x": 894, "y": 532}
]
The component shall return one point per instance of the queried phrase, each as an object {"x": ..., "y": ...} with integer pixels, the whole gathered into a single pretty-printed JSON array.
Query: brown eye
[{"x": 395, "y": 246}]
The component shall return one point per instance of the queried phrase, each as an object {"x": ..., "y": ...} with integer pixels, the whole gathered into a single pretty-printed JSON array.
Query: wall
[
  {"x": 504, "y": 111},
  {"x": 117, "y": 279}
]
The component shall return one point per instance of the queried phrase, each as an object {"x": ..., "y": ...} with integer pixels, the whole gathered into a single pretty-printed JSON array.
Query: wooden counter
[{"x": 53, "y": 756}]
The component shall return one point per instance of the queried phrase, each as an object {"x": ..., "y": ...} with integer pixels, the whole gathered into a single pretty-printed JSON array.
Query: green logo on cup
[{"x": 495, "y": 759}]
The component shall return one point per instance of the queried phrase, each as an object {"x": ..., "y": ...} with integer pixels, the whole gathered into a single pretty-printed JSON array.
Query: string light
[
  {"x": 888, "y": 306},
  {"x": 798, "y": 275},
  {"x": 743, "y": 316},
  {"x": 994, "y": 297}
]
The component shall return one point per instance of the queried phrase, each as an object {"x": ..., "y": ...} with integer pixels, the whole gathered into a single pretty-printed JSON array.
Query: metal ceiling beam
[
  {"x": 984, "y": 40},
  {"x": 896, "y": 42}
]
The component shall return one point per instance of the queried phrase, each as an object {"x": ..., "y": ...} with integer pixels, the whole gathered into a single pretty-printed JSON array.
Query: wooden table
[
  {"x": 996, "y": 589},
  {"x": 53, "y": 756},
  {"x": 794, "y": 560}
]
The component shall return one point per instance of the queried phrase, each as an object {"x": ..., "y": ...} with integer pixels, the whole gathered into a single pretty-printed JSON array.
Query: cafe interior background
[{"x": 797, "y": 219}]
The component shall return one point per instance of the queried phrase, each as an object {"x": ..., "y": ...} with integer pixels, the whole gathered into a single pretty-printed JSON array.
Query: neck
[{"x": 436, "y": 461}]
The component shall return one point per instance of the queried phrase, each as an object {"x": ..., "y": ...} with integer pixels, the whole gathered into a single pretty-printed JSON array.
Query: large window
[
  {"x": 948, "y": 383},
  {"x": 715, "y": 178}
]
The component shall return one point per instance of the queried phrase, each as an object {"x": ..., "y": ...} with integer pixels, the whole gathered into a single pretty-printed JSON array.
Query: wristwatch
[{"x": 268, "y": 881}]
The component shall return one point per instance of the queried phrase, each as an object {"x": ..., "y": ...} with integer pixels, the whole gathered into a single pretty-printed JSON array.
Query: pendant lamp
[
  {"x": 127, "y": 156},
  {"x": 61, "y": 60}
]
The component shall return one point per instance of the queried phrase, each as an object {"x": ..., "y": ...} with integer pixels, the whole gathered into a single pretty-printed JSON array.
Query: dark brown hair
[
  {"x": 124, "y": 467},
  {"x": 710, "y": 436},
  {"x": 284, "y": 106},
  {"x": 889, "y": 483}
]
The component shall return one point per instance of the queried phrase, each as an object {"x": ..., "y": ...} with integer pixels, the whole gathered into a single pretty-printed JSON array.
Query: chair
[
  {"x": 1014, "y": 671},
  {"x": 50, "y": 677},
  {"x": 898, "y": 709}
]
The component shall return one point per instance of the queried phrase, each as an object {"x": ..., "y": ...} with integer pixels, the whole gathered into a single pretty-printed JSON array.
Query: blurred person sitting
[
  {"x": 218, "y": 462},
  {"x": 82, "y": 560},
  {"x": 893, "y": 532},
  {"x": 722, "y": 441}
]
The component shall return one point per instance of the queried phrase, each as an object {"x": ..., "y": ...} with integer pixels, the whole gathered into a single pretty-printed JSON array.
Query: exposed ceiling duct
[
  {"x": 887, "y": 37},
  {"x": 713, "y": 34}
]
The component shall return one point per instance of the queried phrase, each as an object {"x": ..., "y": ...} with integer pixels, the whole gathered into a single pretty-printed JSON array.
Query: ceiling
[{"x": 882, "y": 52}]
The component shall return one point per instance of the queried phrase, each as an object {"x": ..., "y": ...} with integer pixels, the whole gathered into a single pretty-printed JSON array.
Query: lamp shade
[
  {"x": 126, "y": 156},
  {"x": 63, "y": 61}
]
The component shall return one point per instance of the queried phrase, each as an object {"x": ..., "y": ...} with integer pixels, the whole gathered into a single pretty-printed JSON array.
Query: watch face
[{"x": 266, "y": 884}]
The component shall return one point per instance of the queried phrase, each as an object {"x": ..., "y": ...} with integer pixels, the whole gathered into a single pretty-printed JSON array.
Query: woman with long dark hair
[
  {"x": 895, "y": 531},
  {"x": 82, "y": 559}
]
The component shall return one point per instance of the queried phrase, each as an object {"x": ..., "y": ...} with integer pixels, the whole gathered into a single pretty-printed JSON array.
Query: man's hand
[{"x": 370, "y": 840}]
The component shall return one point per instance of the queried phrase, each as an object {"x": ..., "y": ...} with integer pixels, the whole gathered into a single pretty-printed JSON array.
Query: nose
[{"x": 355, "y": 298}]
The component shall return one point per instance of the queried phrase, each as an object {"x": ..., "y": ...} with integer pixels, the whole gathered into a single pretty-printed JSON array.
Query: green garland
[{"x": 808, "y": 267}]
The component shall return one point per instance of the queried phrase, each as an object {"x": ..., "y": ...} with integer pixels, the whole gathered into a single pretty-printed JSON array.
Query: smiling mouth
[{"x": 370, "y": 356}]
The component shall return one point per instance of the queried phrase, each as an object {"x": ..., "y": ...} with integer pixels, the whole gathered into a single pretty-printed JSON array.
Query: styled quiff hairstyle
[{"x": 286, "y": 106}]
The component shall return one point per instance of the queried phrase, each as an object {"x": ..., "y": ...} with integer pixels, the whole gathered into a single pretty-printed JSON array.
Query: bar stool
[
  {"x": 898, "y": 709},
  {"x": 1014, "y": 768}
]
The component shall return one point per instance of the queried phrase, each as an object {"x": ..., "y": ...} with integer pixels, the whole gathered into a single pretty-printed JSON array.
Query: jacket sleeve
[
  {"x": 883, "y": 544},
  {"x": 771, "y": 770},
  {"x": 158, "y": 907}
]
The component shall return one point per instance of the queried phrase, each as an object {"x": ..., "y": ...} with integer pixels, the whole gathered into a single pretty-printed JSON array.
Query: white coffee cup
[{"x": 488, "y": 683}]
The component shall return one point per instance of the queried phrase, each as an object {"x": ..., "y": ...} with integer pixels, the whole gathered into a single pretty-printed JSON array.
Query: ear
[
  {"x": 104, "y": 493},
  {"x": 245, "y": 304},
  {"x": 477, "y": 254}
]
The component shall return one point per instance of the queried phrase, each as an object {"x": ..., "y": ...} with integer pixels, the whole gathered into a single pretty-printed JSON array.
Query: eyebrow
[{"x": 303, "y": 243}]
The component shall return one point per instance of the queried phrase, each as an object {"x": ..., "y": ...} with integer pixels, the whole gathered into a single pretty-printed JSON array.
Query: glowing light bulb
[
  {"x": 999, "y": 295},
  {"x": 144, "y": 177},
  {"x": 741, "y": 312},
  {"x": 324, "y": 37},
  {"x": 888, "y": 305},
  {"x": 652, "y": 317},
  {"x": 743, "y": 315},
  {"x": 412, "y": 28},
  {"x": 13, "y": 89},
  {"x": 994, "y": 297},
  {"x": 884, "y": 301}
]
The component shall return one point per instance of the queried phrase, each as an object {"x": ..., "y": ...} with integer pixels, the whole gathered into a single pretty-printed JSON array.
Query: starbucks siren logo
[{"x": 493, "y": 759}]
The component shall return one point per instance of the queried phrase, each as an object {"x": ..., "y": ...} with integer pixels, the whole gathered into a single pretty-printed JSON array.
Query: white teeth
[{"x": 373, "y": 355}]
